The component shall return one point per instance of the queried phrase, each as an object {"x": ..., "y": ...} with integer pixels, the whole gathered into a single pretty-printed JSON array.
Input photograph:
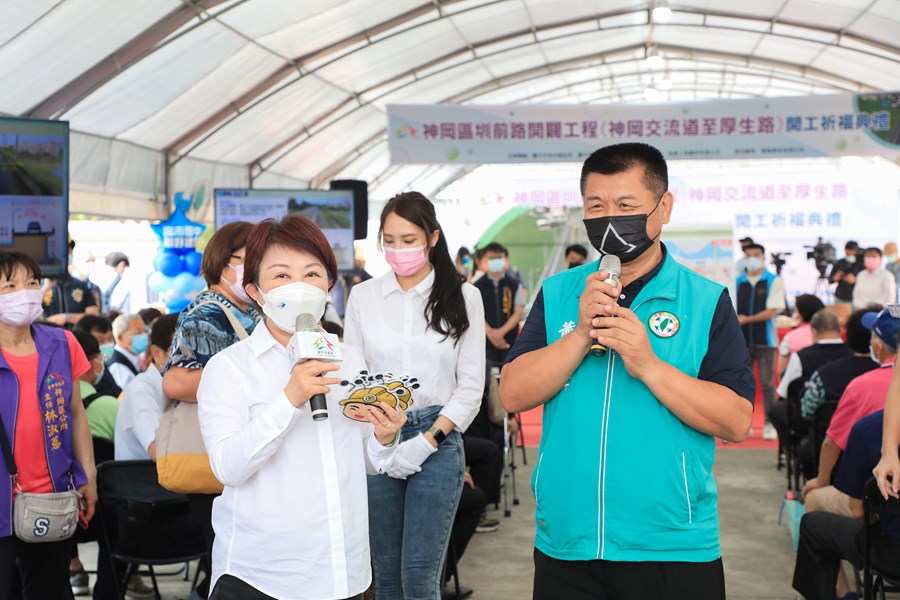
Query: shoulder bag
[
  {"x": 182, "y": 463},
  {"x": 47, "y": 517}
]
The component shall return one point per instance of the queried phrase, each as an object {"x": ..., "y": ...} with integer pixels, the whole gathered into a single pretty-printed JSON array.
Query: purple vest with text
[{"x": 55, "y": 398}]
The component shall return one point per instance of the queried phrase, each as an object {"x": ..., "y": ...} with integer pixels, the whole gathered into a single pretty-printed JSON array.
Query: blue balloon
[
  {"x": 192, "y": 262},
  {"x": 183, "y": 283},
  {"x": 158, "y": 282},
  {"x": 199, "y": 283},
  {"x": 176, "y": 306},
  {"x": 168, "y": 263}
]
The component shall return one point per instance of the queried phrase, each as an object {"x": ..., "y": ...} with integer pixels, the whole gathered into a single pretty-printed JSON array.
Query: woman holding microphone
[
  {"x": 420, "y": 328},
  {"x": 292, "y": 521}
]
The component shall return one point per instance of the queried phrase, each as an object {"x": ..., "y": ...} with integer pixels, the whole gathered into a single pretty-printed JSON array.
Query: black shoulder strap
[
  {"x": 7, "y": 451},
  {"x": 90, "y": 398}
]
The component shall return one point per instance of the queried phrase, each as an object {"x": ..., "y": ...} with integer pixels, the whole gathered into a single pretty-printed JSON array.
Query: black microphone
[
  {"x": 311, "y": 343},
  {"x": 612, "y": 266}
]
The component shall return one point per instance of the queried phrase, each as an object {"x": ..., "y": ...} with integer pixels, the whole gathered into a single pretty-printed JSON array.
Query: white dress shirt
[
  {"x": 293, "y": 519},
  {"x": 388, "y": 326},
  {"x": 139, "y": 412},
  {"x": 122, "y": 374},
  {"x": 794, "y": 369}
]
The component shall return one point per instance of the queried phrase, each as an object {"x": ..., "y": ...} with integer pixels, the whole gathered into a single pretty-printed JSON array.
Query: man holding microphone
[{"x": 625, "y": 498}]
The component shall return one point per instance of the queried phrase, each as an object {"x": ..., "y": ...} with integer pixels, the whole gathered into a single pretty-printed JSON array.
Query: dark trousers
[
  {"x": 485, "y": 462},
  {"x": 765, "y": 362},
  {"x": 468, "y": 513},
  {"x": 604, "y": 580},
  {"x": 229, "y": 587},
  {"x": 44, "y": 568},
  {"x": 826, "y": 539},
  {"x": 777, "y": 415}
]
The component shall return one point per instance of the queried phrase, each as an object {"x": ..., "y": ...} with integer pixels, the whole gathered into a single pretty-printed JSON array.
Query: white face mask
[
  {"x": 18, "y": 309},
  {"x": 284, "y": 304},
  {"x": 872, "y": 355},
  {"x": 237, "y": 288}
]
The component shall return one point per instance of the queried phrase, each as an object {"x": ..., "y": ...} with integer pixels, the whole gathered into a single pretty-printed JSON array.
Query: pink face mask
[
  {"x": 872, "y": 263},
  {"x": 18, "y": 309},
  {"x": 407, "y": 261}
]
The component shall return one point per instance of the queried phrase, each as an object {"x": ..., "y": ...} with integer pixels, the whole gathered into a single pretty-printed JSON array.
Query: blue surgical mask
[
  {"x": 495, "y": 265},
  {"x": 139, "y": 343},
  {"x": 100, "y": 376},
  {"x": 753, "y": 263},
  {"x": 107, "y": 350}
]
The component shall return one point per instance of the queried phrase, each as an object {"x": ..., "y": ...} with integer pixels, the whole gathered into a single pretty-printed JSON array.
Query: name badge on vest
[{"x": 664, "y": 324}]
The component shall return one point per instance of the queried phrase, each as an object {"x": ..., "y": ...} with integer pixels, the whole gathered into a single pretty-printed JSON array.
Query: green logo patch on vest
[{"x": 664, "y": 324}]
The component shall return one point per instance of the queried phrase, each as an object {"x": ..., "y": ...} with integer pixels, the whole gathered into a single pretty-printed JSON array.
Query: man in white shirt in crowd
[
  {"x": 143, "y": 401},
  {"x": 760, "y": 297},
  {"x": 874, "y": 285},
  {"x": 130, "y": 334}
]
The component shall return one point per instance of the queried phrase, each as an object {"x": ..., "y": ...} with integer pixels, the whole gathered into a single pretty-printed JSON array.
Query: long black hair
[{"x": 445, "y": 310}]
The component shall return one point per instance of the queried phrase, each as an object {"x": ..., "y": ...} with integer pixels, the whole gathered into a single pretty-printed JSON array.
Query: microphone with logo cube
[{"x": 311, "y": 343}]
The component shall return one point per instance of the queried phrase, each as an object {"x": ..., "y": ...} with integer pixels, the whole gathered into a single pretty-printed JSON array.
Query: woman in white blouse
[
  {"x": 420, "y": 329},
  {"x": 292, "y": 521}
]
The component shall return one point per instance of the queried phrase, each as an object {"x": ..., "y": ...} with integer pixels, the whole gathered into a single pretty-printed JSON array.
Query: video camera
[
  {"x": 822, "y": 254},
  {"x": 778, "y": 261}
]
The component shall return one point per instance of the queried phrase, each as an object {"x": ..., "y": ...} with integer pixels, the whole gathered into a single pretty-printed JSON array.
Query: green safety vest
[{"x": 619, "y": 477}]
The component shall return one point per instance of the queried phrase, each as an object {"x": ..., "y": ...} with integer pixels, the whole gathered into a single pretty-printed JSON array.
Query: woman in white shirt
[
  {"x": 421, "y": 331},
  {"x": 292, "y": 521}
]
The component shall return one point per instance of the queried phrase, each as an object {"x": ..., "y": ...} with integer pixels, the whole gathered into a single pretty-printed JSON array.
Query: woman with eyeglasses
[{"x": 204, "y": 329}]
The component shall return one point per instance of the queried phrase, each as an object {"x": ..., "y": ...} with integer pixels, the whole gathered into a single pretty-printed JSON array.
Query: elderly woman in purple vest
[{"x": 45, "y": 422}]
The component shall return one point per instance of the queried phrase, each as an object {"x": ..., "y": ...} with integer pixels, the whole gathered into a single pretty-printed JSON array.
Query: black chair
[
  {"x": 144, "y": 523},
  {"x": 877, "y": 577},
  {"x": 820, "y": 422},
  {"x": 104, "y": 450},
  {"x": 795, "y": 432}
]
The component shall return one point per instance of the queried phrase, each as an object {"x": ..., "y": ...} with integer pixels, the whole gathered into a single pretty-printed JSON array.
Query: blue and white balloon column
[{"x": 177, "y": 277}]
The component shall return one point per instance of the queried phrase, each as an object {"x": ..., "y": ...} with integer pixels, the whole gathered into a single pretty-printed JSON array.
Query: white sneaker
[{"x": 769, "y": 432}]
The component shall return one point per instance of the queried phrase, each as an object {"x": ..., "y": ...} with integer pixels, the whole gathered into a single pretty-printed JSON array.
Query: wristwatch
[{"x": 438, "y": 433}]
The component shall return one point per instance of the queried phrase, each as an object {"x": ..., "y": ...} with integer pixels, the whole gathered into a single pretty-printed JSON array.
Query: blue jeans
[{"x": 410, "y": 520}]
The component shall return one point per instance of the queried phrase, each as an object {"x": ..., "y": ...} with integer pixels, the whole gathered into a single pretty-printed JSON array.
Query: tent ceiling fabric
[{"x": 298, "y": 89}]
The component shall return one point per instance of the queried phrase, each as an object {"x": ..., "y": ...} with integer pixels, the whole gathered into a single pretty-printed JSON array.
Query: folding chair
[
  {"x": 795, "y": 432},
  {"x": 144, "y": 523},
  {"x": 821, "y": 420},
  {"x": 878, "y": 578},
  {"x": 509, "y": 470}
]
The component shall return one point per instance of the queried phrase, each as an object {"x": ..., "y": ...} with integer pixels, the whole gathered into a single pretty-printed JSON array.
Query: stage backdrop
[{"x": 832, "y": 125}]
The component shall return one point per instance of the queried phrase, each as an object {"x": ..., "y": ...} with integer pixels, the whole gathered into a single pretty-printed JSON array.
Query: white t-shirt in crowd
[
  {"x": 878, "y": 287},
  {"x": 122, "y": 374},
  {"x": 142, "y": 405},
  {"x": 388, "y": 326},
  {"x": 293, "y": 518},
  {"x": 776, "y": 298}
]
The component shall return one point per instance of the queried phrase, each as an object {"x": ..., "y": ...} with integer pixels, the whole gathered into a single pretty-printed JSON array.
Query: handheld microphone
[
  {"x": 311, "y": 343},
  {"x": 612, "y": 266}
]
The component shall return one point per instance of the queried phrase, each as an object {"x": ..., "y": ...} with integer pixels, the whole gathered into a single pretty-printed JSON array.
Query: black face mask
[
  {"x": 625, "y": 237},
  {"x": 574, "y": 264}
]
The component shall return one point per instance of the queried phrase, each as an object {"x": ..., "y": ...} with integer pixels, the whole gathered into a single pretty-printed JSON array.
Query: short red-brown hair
[
  {"x": 225, "y": 242},
  {"x": 295, "y": 232}
]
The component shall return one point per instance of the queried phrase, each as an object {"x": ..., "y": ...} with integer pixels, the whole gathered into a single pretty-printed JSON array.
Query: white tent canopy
[{"x": 164, "y": 95}]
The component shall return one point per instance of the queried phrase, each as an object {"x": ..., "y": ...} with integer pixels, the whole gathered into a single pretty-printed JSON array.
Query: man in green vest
[{"x": 626, "y": 503}]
